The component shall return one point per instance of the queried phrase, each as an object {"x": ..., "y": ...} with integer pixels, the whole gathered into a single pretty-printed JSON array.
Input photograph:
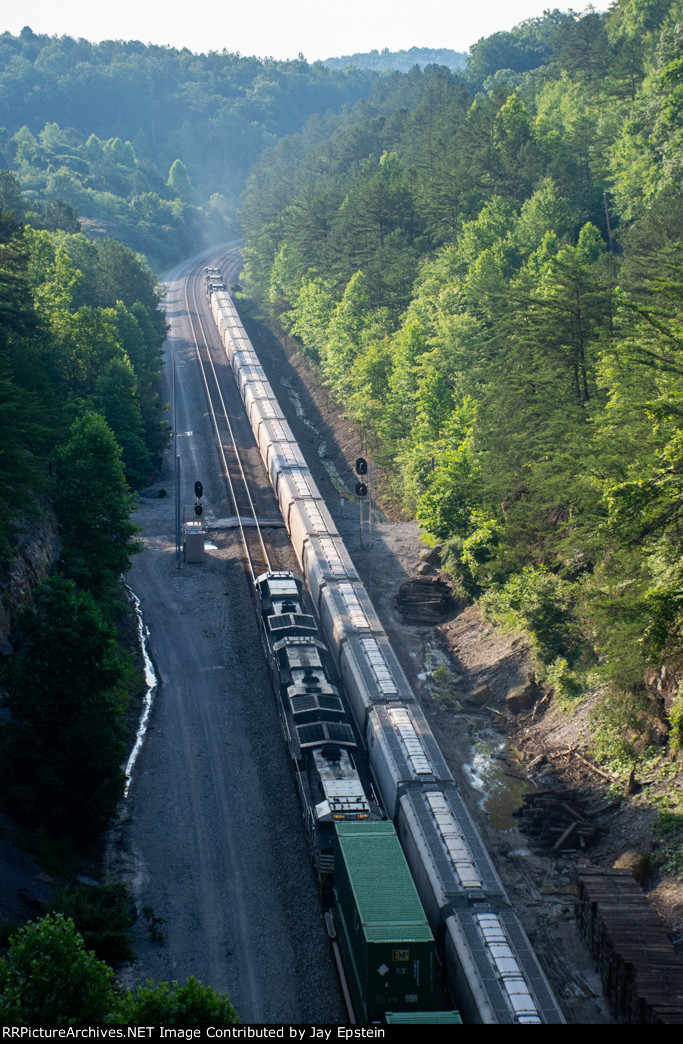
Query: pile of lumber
[
  {"x": 641, "y": 974},
  {"x": 424, "y": 599},
  {"x": 557, "y": 819}
]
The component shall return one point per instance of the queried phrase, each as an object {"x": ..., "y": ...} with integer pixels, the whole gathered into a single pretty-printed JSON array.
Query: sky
[{"x": 280, "y": 28}]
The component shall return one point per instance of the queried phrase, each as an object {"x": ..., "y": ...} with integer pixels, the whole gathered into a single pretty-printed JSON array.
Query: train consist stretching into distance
[{"x": 492, "y": 971}]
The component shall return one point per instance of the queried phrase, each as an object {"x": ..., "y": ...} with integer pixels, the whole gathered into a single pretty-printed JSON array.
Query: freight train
[
  {"x": 319, "y": 734},
  {"x": 493, "y": 972}
]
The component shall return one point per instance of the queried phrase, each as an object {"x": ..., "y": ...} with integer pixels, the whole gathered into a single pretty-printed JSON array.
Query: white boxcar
[
  {"x": 248, "y": 373},
  {"x": 260, "y": 403},
  {"x": 271, "y": 432}
]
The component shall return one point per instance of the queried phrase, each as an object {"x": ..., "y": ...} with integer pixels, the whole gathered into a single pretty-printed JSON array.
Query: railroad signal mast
[
  {"x": 362, "y": 492},
  {"x": 194, "y": 531}
]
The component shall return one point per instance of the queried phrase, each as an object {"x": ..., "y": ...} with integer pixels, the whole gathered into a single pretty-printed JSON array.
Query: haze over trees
[
  {"x": 399, "y": 61},
  {"x": 150, "y": 145}
]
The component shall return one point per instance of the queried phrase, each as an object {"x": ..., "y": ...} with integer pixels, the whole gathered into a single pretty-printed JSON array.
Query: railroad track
[{"x": 253, "y": 508}]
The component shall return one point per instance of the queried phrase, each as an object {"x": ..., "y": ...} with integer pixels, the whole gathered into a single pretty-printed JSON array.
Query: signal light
[
  {"x": 198, "y": 489},
  {"x": 361, "y": 489},
  {"x": 198, "y": 509},
  {"x": 361, "y": 466}
]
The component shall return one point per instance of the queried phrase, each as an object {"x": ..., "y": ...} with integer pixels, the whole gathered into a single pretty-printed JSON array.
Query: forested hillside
[
  {"x": 80, "y": 357},
  {"x": 150, "y": 144},
  {"x": 487, "y": 270}
]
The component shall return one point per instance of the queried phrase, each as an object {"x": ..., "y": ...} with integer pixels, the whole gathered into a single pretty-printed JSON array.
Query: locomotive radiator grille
[
  {"x": 308, "y": 703},
  {"x": 325, "y": 732}
]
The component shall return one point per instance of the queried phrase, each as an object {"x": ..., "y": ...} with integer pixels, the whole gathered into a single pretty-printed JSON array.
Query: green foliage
[
  {"x": 471, "y": 559},
  {"x": 402, "y": 61},
  {"x": 540, "y": 604},
  {"x": 48, "y": 978},
  {"x": 179, "y": 181},
  {"x": 446, "y": 506},
  {"x": 25, "y": 407},
  {"x": 169, "y": 1004},
  {"x": 676, "y": 722},
  {"x": 620, "y": 727},
  {"x": 530, "y": 44},
  {"x": 96, "y": 127},
  {"x": 103, "y": 914},
  {"x": 567, "y": 687},
  {"x": 94, "y": 503},
  {"x": 497, "y": 301},
  {"x": 65, "y": 696},
  {"x": 669, "y": 829},
  {"x": 80, "y": 330}
]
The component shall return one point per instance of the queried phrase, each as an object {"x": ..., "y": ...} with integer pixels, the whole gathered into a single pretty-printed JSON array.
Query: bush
[
  {"x": 539, "y": 603},
  {"x": 48, "y": 978},
  {"x": 165, "y": 1004},
  {"x": 103, "y": 914},
  {"x": 676, "y": 720},
  {"x": 669, "y": 827},
  {"x": 620, "y": 727},
  {"x": 561, "y": 678}
]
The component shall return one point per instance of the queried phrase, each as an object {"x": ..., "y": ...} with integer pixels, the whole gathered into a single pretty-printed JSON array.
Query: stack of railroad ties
[{"x": 493, "y": 974}]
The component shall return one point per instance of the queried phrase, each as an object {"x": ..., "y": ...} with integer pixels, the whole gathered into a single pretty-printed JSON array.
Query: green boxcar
[
  {"x": 386, "y": 943},
  {"x": 423, "y": 1018}
]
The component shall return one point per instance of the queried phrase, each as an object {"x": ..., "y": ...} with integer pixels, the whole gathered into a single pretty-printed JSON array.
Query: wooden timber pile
[
  {"x": 641, "y": 974},
  {"x": 557, "y": 820},
  {"x": 424, "y": 599}
]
